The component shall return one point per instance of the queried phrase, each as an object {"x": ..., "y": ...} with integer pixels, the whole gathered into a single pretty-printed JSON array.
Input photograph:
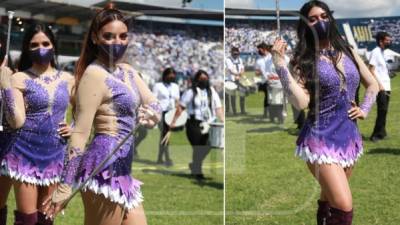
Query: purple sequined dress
[
  {"x": 36, "y": 152},
  {"x": 329, "y": 135},
  {"x": 5, "y": 137},
  {"x": 114, "y": 180}
]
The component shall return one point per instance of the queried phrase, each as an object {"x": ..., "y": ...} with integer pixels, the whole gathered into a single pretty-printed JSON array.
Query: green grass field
[
  {"x": 171, "y": 197},
  {"x": 267, "y": 184}
]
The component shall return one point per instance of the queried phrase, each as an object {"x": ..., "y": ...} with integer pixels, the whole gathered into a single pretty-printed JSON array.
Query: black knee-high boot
[
  {"x": 322, "y": 212},
  {"x": 42, "y": 220},
  {"x": 3, "y": 215},
  {"x": 339, "y": 217},
  {"x": 25, "y": 219}
]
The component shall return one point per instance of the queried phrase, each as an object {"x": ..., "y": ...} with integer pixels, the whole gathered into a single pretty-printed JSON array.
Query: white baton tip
[{"x": 1, "y": 128}]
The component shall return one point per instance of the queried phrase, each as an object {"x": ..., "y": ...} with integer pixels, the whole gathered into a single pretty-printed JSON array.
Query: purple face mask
[
  {"x": 42, "y": 55},
  {"x": 322, "y": 29},
  {"x": 112, "y": 52}
]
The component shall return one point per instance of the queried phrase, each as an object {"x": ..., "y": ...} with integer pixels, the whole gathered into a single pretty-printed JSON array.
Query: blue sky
[{"x": 208, "y": 4}]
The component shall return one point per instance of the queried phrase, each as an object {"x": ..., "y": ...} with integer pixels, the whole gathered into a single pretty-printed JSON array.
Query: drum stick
[
  {"x": 10, "y": 17},
  {"x": 165, "y": 139}
]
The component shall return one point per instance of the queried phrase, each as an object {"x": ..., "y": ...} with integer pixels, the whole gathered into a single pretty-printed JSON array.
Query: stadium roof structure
[
  {"x": 50, "y": 9},
  {"x": 153, "y": 10},
  {"x": 260, "y": 12}
]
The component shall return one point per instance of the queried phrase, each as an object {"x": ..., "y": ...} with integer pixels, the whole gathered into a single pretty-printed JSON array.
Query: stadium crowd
[{"x": 185, "y": 48}]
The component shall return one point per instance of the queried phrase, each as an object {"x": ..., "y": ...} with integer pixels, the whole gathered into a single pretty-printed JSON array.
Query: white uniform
[
  {"x": 166, "y": 94},
  {"x": 234, "y": 65},
  {"x": 377, "y": 59},
  {"x": 201, "y": 110},
  {"x": 261, "y": 66}
]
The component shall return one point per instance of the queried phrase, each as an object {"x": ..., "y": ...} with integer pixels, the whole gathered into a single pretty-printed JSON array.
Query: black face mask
[
  {"x": 111, "y": 52},
  {"x": 170, "y": 80},
  {"x": 386, "y": 46},
  {"x": 42, "y": 55},
  {"x": 203, "y": 84},
  {"x": 260, "y": 53},
  {"x": 322, "y": 28}
]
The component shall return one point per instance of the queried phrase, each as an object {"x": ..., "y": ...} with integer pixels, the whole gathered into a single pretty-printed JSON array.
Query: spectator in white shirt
[
  {"x": 167, "y": 93},
  {"x": 234, "y": 70},
  {"x": 378, "y": 67}
]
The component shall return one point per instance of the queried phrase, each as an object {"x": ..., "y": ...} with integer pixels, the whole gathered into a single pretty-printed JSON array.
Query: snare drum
[
  {"x": 180, "y": 121},
  {"x": 216, "y": 136},
  {"x": 275, "y": 96},
  {"x": 230, "y": 87}
]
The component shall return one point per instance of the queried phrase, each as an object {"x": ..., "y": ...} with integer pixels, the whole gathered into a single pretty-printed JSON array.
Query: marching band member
[
  {"x": 167, "y": 93},
  {"x": 108, "y": 96},
  {"x": 272, "y": 87},
  {"x": 203, "y": 105},
  {"x": 261, "y": 70},
  {"x": 234, "y": 70},
  {"x": 36, "y": 100}
]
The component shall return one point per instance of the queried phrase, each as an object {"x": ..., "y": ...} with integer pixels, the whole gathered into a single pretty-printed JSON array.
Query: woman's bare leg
[
  {"x": 334, "y": 185},
  {"x": 43, "y": 194},
  {"x": 26, "y": 196},
  {"x": 101, "y": 211},
  {"x": 5, "y": 187},
  {"x": 135, "y": 216},
  {"x": 347, "y": 170}
]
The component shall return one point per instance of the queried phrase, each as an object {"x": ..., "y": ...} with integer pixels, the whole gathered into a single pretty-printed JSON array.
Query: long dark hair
[
  {"x": 89, "y": 49},
  {"x": 166, "y": 72},
  {"x": 195, "y": 84},
  {"x": 25, "y": 61},
  {"x": 307, "y": 49}
]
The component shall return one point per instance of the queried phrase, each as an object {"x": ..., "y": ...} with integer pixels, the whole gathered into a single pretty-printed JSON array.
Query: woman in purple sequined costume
[
  {"x": 324, "y": 76},
  {"x": 36, "y": 101},
  {"x": 108, "y": 97}
]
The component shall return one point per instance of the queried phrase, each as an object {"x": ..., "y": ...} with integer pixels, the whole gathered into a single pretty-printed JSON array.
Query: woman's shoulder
[
  {"x": 127, "y": 67},
  {"x": 94, "y": 71},
  {"x": 19, "y": 78},
  {"x": 65, "y": 75},
  {"x": 20, "y": 75}
]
